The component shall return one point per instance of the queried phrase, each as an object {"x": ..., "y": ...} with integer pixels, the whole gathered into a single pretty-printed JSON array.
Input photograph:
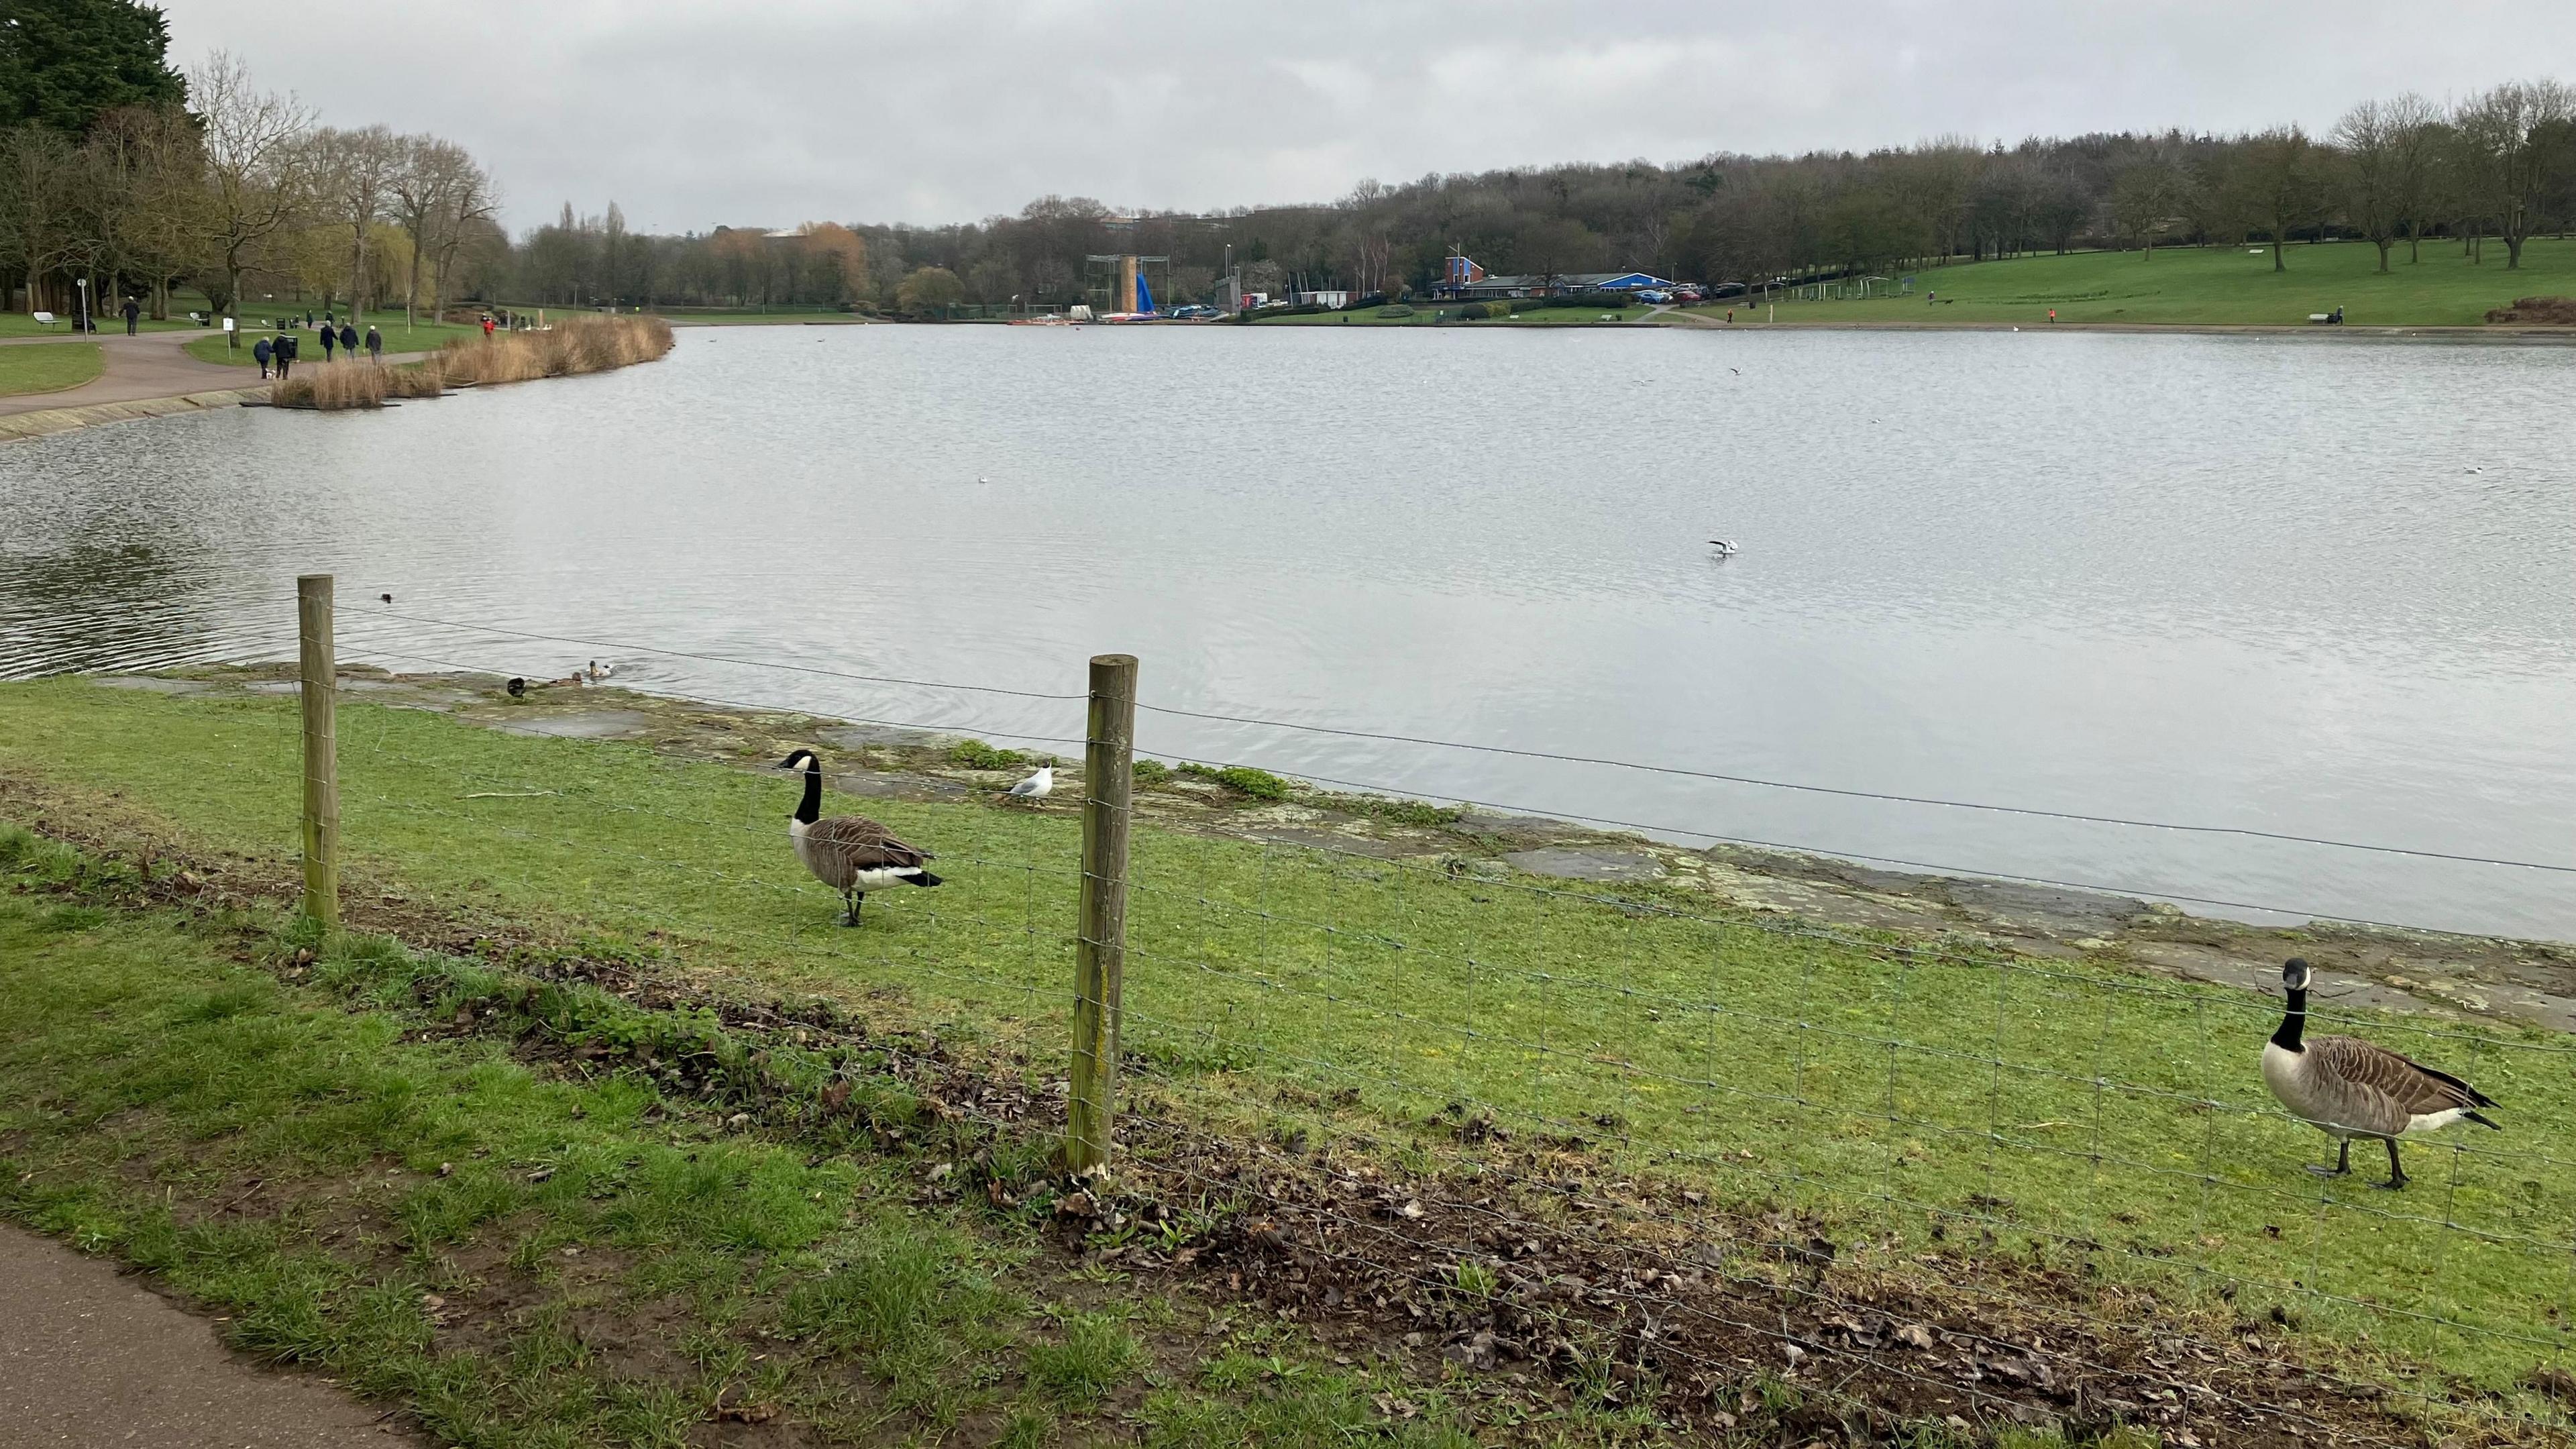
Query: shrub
[
  {"x": 1152, "y": 772},
  {"x": 1398, "y": 310},
  {"x": 1479, "y": 311},
  {"x": 1259, "y": 784},
  {"x": 977, "y": 755}
]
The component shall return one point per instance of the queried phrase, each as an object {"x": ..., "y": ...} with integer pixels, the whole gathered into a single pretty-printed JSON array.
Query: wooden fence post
[
  {"x": 319, "y": 664},
  {"x": 1100, "y": 951}
]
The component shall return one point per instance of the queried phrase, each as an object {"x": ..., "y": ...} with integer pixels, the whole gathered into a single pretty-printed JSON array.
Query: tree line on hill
[
  {"x": 2499, "y": 167},
  {"x": 122, "y": 173}
]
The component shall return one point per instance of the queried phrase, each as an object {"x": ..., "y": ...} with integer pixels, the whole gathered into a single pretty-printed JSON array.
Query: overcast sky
[{"x": 692, "y": 113}]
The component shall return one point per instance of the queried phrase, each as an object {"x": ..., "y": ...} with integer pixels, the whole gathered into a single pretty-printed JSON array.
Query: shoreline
[{"x": 2442, "y": 975}]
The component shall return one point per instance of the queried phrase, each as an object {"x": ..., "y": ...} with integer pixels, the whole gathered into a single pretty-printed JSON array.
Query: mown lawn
[
  {"x": 2082, "y": 1109},
  {"x": 51, "y": 367},
  {"x": 290, "y": 1133},
  {"x": 2208, "y": 286},
  {"x": 427, "y": 337}
]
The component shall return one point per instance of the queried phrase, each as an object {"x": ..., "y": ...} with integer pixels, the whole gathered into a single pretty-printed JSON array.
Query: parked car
[
  {"x": 1688, "y": 294},
  {"x": 1655, "y": 297}
]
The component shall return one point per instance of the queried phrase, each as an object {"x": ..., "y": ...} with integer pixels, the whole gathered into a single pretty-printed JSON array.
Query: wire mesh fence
[{"x": 1761, "y": 1149}]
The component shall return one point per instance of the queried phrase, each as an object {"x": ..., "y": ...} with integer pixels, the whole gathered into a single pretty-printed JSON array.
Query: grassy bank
[
  {"x": 342, "y": 1150},
  {"x": 398, "y": 339},
  {"x": 2206, "y": 286},
  {"x": 50, "y": 368},
  {"x": 2093, "y": 1143}
]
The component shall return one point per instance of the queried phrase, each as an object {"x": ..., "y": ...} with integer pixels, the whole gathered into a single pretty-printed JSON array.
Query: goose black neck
[
  {"x": 810, "y": 809},
  {"x": 2293, "y": 1021}
]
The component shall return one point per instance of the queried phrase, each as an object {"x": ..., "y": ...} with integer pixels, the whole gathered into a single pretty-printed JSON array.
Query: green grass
[
  {"x": 2089, "y": 1114},
  {"x": 30, "y": 368},
  {"x": 2208, "y": 286},
  {"x": 427, "y": 337},
  {"x": 283, "y": 1128}
]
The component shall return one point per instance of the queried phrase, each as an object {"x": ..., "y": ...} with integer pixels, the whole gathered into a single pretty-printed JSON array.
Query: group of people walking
[{"x": 280, "y": 351}]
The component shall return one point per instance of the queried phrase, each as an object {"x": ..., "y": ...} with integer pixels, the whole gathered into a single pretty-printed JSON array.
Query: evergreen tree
[{"x": 63, "y": 62}]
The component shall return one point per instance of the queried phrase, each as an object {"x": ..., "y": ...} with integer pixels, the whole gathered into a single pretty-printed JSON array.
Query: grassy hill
[{"x": 2210, "y": 286}]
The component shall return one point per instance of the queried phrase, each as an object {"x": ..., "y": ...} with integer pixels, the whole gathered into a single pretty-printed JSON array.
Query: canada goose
[
  {"x": 1035, "y": 787},
  {"x": 2351, "y": 1088},
  {"x": 850, "y": 853},
  {"x": 388, "y": 598}
]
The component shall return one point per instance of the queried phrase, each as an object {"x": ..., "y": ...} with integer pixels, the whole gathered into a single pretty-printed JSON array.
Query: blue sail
[{"x": 1144, "y": 294}]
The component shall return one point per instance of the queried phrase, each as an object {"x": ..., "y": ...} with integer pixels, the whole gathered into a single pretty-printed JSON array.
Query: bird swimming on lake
[
  {"x": 388, "y": 598},
  {"x": 1725, "y": 547},
  {"x": 850, "y": 853},
  {"x": 1035, "y": 787},
  {"x": 2348, "y": 1088},
  {"x": 599, "y": 671}
]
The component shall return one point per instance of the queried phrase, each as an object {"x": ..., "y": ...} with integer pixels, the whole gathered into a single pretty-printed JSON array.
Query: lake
[{"x": 2308, "y": 586}]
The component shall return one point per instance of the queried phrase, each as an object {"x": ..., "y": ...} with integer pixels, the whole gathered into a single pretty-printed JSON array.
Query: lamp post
[{"x": 83, "y": 284}]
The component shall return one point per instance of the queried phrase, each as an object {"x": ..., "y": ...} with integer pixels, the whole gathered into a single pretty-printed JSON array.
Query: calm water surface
[{"x": 2287, "y": 584}]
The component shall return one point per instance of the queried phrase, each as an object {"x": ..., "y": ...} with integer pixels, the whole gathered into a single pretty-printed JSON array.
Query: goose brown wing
[
  {"x": 2406, "y": 1086},
  {"x": 858, "y": 843}
]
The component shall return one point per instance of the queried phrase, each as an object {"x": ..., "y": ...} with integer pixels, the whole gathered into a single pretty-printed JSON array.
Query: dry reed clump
[
  {"x": 338, "y": 385},
  {"x": 2558, "y": 310},
  {"x": 332, "y": 386},
  {"x": 571, "y": 345}
]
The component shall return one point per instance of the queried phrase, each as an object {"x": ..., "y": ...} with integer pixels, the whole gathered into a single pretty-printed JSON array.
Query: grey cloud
[{"x": 690, "y": 114}]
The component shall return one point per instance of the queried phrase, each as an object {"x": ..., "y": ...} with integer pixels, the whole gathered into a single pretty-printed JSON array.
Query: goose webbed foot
[
  {"x": 2343, "y": 1163},
  {"x": 850, "y": 916},
  {"x": 2396, "y": 1174}
]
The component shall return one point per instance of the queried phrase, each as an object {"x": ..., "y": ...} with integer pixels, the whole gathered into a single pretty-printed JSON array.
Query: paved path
[
  {"x": 91, "y": 1358},
  {"x": 146, "y": 366}
]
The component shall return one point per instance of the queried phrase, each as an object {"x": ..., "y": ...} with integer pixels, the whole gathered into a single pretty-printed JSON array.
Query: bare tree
[
  {"x": 353, "y": 173},
  {"x": 2372, "y": 139},
  {"x": 39, "y": 199},
  {"x": 423, "y": 189},
  {"x": 2146, "y": 197},
  {"x": 256, "y": 177},
  {"x": 2276, "y": 180},
  {"x": 2516, "y": 132},
  {"x": 464, "y": 217}
]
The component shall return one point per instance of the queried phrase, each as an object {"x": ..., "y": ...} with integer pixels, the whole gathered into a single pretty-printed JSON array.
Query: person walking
[
  {"x": 132, "y": 313},
  {"x": 259, "y": 352},
  {"x": 487, "y": 326},
  {"x": 330, "y": 338},
  {"x": 308, "y": 318},
  {"x": 284, "y": 353},
  {"x": 349, "y": 341},
  {"x": 375, "y": 344}
]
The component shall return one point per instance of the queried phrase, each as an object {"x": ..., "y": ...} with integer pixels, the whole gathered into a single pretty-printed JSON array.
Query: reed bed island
[{"x": 569, "y": 347}]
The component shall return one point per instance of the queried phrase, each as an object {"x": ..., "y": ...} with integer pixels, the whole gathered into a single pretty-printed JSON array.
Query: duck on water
[
  {"x": 850, "y": 853},
  {"x": 2348, "y": 1088}
]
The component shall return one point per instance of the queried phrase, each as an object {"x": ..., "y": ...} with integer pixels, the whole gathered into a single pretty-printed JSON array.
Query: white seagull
[
  {"x": 1035, "y": 787},
  {"x": 1725, "y": 547}
]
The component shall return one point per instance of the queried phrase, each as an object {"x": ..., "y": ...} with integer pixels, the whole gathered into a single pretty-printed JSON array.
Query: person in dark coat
[
  {"x": 308, "y": 317},
  {"x": 287, "y": 346},
  {"x": 349, "y": 340},
  {"x": 330, "y": 339},
  {"x": 375, "y": 344},
  {"x": 259, "y": 353},
  {"x": 132, "y": 312}
]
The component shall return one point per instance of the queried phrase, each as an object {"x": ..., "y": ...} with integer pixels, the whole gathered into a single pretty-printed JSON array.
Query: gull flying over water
[{"x": 1725, "y": 547}]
